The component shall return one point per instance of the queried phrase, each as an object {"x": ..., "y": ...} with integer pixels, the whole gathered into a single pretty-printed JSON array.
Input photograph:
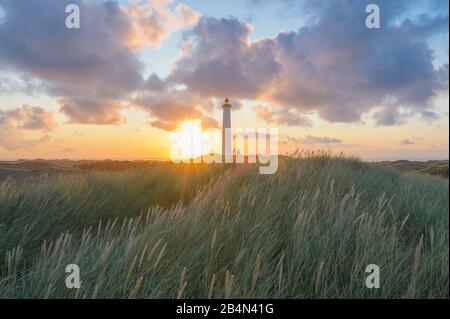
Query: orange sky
[{"x": 116, "y": 87}]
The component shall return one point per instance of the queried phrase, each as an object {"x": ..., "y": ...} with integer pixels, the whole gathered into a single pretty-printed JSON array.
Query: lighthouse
[{"x": 227, "y": 152}]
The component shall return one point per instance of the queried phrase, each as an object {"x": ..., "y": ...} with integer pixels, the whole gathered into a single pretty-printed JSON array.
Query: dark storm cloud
[{"x": 335, "y": 67}]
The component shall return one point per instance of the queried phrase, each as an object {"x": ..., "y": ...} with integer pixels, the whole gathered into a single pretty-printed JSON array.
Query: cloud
[
  {"x": 341, "y": 69},
  {"x": 92, "y": 111},
  {"x": 68, "y": 150},
  {"x": 334, "y": 67},
  {"x": 407, "y": 142},
  {"x": 15, "y": 123},
  {"x": 92, "y": 63},
  {"x": 168, "y": 105},
  {"x": 217, "y": 61},
  {"x": 388, "y": 117},
  {"x": 11, "y": 84},
  {"x": 224, "y": 62},
  {"x": 15, "y": 139},
  {"x": 429, "y": 116},
  {"x": 29, "y": 118},
  {"x": 91, "y": 70},
  {"x": 2, "y": 15},
  {"x": 309, "y": 139},
  {"x": 289, "y": 117},
  {"x": 153, "y": 20},
  {"x": 443, "y": 77}
]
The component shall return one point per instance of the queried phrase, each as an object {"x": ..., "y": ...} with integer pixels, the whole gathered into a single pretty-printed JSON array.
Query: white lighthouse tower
[{"x": 227, "y": 147}]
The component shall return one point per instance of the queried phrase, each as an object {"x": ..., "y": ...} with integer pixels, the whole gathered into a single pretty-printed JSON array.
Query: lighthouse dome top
[{"x": 226, "y": 103}]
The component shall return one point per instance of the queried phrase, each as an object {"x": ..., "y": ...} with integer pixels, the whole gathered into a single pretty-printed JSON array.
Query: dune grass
[{"x": 213, "y": 231}]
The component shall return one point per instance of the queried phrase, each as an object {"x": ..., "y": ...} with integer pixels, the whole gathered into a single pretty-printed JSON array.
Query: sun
[
  {"x": 189, "y": 141},
  {"x": 191, "y": 132}
]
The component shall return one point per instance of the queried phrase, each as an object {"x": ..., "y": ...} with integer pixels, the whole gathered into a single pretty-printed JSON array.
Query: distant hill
[
  {"x": 112, "y": 165},
  {"x": 434, "y": 168},
  {"x": 36, "y": 169}
]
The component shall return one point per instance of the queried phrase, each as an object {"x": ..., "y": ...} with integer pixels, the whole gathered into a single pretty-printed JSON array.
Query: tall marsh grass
[{"x": 308, "y": 231}]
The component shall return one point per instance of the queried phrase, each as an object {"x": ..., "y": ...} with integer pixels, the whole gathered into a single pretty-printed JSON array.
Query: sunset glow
[
  {"x": 105, "y": 91},
  {"x": 189, "y": 139}
]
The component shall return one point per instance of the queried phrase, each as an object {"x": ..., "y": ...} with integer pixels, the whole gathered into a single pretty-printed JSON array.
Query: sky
[{"x": 134, "y": 70}]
